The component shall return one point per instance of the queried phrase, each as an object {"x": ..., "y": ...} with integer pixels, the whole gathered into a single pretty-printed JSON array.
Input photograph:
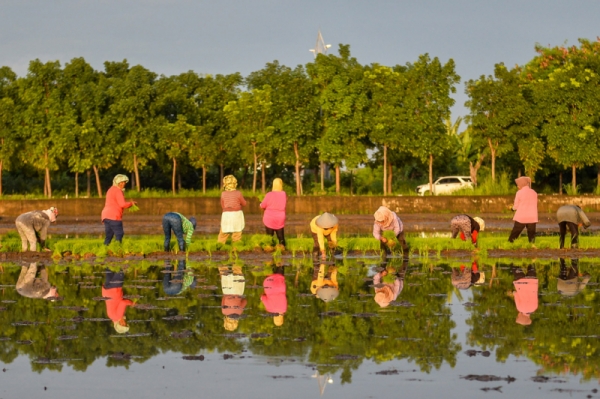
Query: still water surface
[{"x": 296, "y": 330}]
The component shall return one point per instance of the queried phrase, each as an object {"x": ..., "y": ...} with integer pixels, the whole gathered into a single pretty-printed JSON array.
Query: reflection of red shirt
[
  {"x": 114, "y": 205},
  {"x": 274, "y": 297},
  {"x": 233, "y": 304},
  {"x": 116, "y": 306},
  {"x": 526, "y": 295}
]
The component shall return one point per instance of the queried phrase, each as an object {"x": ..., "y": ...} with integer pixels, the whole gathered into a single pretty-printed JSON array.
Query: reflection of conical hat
[
  {"x": 326, "y": 221},
  {"x": 480, "y": 222},
  {"x": 327, "y": 294}
]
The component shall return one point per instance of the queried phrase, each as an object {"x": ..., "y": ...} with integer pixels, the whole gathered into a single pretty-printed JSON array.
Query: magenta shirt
[
  {"x": 526, "y": 206},
  {"x": 274, "y": 206}
]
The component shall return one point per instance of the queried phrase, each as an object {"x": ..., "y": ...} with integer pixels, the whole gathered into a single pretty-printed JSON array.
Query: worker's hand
[
  {"x": 46, "y": 249},
  {"x": 384, "y": 240},
  {"x": 384, "y": 273}
]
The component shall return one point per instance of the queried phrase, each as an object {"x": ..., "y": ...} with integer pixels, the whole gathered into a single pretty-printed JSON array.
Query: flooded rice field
[{"x": 352, "y": 328}]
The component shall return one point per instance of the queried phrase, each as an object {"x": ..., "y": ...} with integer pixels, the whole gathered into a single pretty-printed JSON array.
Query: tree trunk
[
  {"x": 263, "y": 177},
  {"x": 203, "y": 179},
  {"x": 174, "y": 175},
  {"x": 384, "y": 169},
  {"x": 337, "y": 179},
  {"x": 297, "y": 169},
  {"x": 474, "y": 169},
  {"x": 1, "y": 164},
  {"x": 49, "y": 184},
  {"x": 560, "y": 183},
  {"x": 98, "y": 183},
  {"x": 322, "y": 176},
  {"x": 390, "y": 174},
  {"x": 493, "y": 153},
  {"x": 255, "y": 168},
  {"x": 89, "y": 183},
  {"x": 48, "y": 189},
  {"x": 574, "y": 181},
  {"x": 431, "y": 174},
  {"x": 138, "y": 186},
  {"x": 221, "y": 173},
  {"x": 76, "y": 184}
]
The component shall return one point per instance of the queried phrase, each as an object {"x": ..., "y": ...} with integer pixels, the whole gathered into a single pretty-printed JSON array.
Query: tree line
[{"x": 330, "y": 113}]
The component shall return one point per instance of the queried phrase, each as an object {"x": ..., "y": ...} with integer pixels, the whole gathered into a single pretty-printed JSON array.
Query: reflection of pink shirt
[
  {"x": 274, "y": 297},
  {"x": 274, "y": 206},
  {"x": 114, "y": 205},
  {"x": 526, "y": 295},
  {"x": 526, "y": 206},
  {"x": 116, "y": 305}
]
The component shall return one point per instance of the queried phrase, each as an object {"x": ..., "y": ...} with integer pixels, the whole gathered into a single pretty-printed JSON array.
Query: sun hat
[
  {"x": 327, "y": 294},
  {"x": 326, "y": 220},
  {"x": 480, "y": 222},
  {"x": 119, "y": 179},
  {"x": 119, "y": 328}
]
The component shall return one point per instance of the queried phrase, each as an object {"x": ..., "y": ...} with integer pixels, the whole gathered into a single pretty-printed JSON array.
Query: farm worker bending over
[
  {"x": 112, "y": 214},
  {"x": 232, "y": 219},
  {"x": 116, "y": 305},
  {"x": 274, "y": 206},
  {"x": 467, "y": 226},
  {"x": 526, "y": 214},
  {"x": 31, "y": 286},
  {"x": 274, "y": 298},
  {"x": 181, "y": 227},
  {"x": 571, "y": 216},
  {"x": 33, "y": 228},
  {"x": 385, "y": 219},
  {"x": 324, "y": 284},
  {"x": 321, "y": 227}
]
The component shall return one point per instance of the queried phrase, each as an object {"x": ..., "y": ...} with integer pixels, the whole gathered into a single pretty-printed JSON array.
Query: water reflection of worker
[
  {"x": 385, "y": 291},
  {"x": 525, "y": 294},
  {"x": 323, "y": 227},
  {"x": 33, "y": 282},
  {"x": 116, "y": 305},
  {"x": 233, "y": 301},
  {"x": 570, "y": 281},
  {"x": 178, "y": 281},
  {"x": 274, "y": 297},
  {"x": 464, "y": 277},
  {"x": 324, "y": 284},
  {"x": 573, "y": 217}
]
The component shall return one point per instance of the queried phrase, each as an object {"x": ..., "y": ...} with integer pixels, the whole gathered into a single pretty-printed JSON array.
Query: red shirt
[
  {"x": 116, "y": 305},
  {"x": 232, "y": 201},
  {"x": 114, "y": 205}
]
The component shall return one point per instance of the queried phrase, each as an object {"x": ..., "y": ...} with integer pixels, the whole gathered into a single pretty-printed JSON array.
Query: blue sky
[{"x": 170, "y": 37}]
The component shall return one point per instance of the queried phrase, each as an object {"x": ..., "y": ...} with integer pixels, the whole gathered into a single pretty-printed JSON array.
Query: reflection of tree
[
  {"x": 76, "y": 331},
  {"x": 562, "y": 337}
]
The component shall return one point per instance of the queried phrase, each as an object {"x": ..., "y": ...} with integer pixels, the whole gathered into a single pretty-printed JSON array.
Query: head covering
[
  {"x": 278, "y": 320},
  {"x": 523, "y": 181},
  {"x": 383, "y": 296},
  {"x": 384, "y": 216},
  {"x": 277, "y": 184},
  {"x": 229, "y": 183},
  {"x": 193, "y": 222},
  {"x": 326, "y": 221},
  {"x": 230, "y": 324},
  {"x": 480, "y": 222},
  {"x": 119, "y": 328},
  {"x": 52, "y": 212},
  {"x": 119, "y": 179},
  {"x": 327, "y": 294},
  {"x": 523, "y": 319},
  {"x": 481, "y": 279}
]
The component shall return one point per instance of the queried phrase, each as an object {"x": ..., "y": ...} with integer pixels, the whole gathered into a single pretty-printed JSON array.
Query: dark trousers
[
  {"x": 518, "y": 228},
  {"x": 172, "y": 221},
  {"x": 519, "y": 274},
  {"x": 113, "y": 279},
  {"x": 401, "y": 240},
  {"x": 573, "y": 228},
  {"x": 278, "y": 233},
  {"x": 113, "y": 228}
]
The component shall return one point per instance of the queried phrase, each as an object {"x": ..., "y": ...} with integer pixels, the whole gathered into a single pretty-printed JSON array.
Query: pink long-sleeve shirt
[
  {"x": 114, "y": 205},
  {"x": 526, "y": 206},
  {"x": 274, "y": 206},
  {"x": 526, "y": 295},
  {"x": 274, "y": 297}
]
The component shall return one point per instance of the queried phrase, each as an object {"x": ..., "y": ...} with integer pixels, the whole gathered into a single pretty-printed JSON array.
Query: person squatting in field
[
  {"x": 181, "y": 227},
  {"x": 467, "y": 227},
  {"x": 33, "y": 228}
]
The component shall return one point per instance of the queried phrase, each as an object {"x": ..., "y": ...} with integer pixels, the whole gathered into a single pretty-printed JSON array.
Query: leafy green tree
[
  {"x": 294, "y": 111},
  {"x": 250, "y": 117},
  {"x": 428, "y": 96},
  {"x": 9, "y": 142},
  {"x": 339, "y": 83}
]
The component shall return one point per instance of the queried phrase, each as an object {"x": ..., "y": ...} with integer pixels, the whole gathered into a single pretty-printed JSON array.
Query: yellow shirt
[
  {"x": 322, "y": 279},
  {"x": 321, "y": 233}
]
